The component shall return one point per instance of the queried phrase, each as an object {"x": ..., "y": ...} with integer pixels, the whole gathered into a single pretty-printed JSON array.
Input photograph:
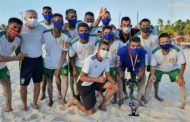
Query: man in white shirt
[
  {"x": 47, "y": 14},
  {"x": 80, "y": 49},
  {"x": 71, "y": 26},
  {"x": 170, "y": 60},
  {"x": 115, "y": 45},
  {"x": 89, "y": 18},
  {"x": 93, "y": 78},
  {"x": 149, "y": 42},
  {"x": 9, "y": 42},
  {"x": 56, "y": 45},
  {"x": 32, "y": 65}
]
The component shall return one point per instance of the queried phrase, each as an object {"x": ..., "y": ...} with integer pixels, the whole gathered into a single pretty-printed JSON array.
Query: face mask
[
  {"x": 58, "y": 25},
  {"x": 13, "y": 32},
  {"x": 89, "y": 23},
  {"x": 32, "y": 22},
  {"x": 84, "y": 36},
  {"x": 72, "y": 22},
  {"x": 165, "y": 46},
  {"x": 146, "y": 30},
  {"x": 134, "y": 51},
  {"x": 106, "y": 21},
  {"x": 108, "y": 36},
  {"x": 103, "y": 54},
  {"x": 48, "y": 16},
  {"x": 126, "y": 30}
]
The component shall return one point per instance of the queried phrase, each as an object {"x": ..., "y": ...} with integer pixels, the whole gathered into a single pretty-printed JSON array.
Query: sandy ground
[{"x": 154, "y": 111}]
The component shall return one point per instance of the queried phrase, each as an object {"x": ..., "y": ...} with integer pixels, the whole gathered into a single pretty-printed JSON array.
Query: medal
[{"x": 133, "y": 63}]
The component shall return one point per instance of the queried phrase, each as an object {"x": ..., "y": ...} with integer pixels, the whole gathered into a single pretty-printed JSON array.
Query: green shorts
[
  {"x": 50, "y": 72},
  {"x": 172, "y": 75},
  {"x": 4, "y": 74},
  {"x": 113, "y": 72},
  {"x": 79, "y": 70}
]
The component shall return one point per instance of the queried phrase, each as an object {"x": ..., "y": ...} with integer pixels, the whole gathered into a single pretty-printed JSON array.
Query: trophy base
[{"x": 133, "y": 114}]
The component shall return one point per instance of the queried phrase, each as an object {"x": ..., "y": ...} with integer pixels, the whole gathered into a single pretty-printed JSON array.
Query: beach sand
[{"x": 155, "y": 111}]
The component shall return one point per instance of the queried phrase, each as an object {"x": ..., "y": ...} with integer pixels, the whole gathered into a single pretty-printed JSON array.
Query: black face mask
[{"x": 146, "y": 30}]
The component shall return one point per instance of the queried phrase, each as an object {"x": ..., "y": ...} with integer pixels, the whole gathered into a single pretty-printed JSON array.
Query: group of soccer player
[{"x": 97, "y": 61}]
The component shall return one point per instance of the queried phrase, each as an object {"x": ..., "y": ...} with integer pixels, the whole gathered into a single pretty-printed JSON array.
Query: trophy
[
  {"x": 133, "y": 104},
  {"x": 132, "y": 81}
]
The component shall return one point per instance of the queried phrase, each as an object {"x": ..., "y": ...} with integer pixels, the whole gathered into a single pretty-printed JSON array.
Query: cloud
[{"x": 179, "y": 6}]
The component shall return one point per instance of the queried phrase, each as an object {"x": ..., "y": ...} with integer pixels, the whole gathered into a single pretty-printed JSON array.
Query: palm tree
[
  {"x": 3, "y": 26},
  {"x": 160, "y": 23}
]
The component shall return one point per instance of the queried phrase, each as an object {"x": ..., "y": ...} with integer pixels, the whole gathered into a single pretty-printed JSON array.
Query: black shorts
[
  {"x": 31, "y": 68},
  {"x": 87, "y": 93}
]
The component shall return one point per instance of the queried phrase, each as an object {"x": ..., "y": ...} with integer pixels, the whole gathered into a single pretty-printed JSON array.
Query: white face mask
[
  {"x": 126, "y": 30},
  {"x": 89, "y": 24},
  {"x": 103, "y": 54},
  {"x": 32, "y": 22}
]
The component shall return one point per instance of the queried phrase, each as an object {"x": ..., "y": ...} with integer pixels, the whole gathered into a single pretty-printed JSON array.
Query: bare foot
[
  {"x": 35, "y": 106},
  {"x": 50, "y": 103},
  {"x": 59, "y": 96},
  {"x": 25, "y": 108},
  {"x": 182, "y": 106},
  {"x": 114, "y": 100},
  {"x": 71, "y": 102},
  {"x": 141, "y": 104},
  {"x": 63, "y": 102},
  {"x": 159, "y": 98},
  {"x": 8, "y": 109},
  {"x": 120, "y": 102},
  {"x": 144, "y": 99},
  {"x": 102, "y": 107},
  {"x": 43, "y": 96}
]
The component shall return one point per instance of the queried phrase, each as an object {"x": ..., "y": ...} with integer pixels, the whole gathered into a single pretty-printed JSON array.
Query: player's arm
[
  {"x": 181, "y": 60},
  {"x": 61, "y": 62},
  {"x": 19, "y": 57},
  {"x": 118, "y": 67},
  {"x": 84, "y": 77},
  {"x": 144, "y": 60},
  {"x": 102, "y": 12},
  {"x": 109, "y": 77},
  {"x": 72, "y": 57}
]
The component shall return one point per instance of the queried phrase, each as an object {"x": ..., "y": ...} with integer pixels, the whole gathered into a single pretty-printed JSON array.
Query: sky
[{"x": 152, "y": 9}]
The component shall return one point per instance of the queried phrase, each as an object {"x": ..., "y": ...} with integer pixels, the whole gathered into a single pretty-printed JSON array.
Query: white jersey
[
  {"x": 94, "y": 68},
  {"x": 54, "y": 47},
  {"x": 31, "y": 44},
  {"x": 114, "y": 48},
  {"x": 96, "y": 29},
  {"x": 73, "y": 33},
  {"x": 149, "y": 45},
  {"x": 6, "y": 47},
  {"x": 168, "y": 62},
  {"x": 82, "y": 51},
  {"x": 48, "y": 27}
]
